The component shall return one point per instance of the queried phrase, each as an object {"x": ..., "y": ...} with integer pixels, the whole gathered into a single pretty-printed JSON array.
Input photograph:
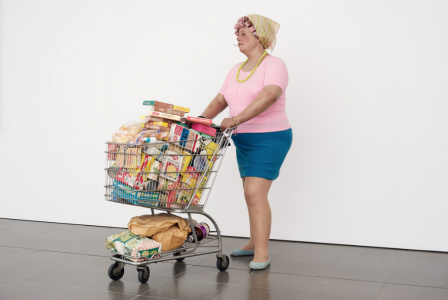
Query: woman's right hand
[{"x": 227, "y": 123}]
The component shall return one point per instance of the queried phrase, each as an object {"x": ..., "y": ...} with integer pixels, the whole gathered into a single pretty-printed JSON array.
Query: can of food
[
  {"x": 203, "y": 229},
  {"x": 206, "y": 226}
]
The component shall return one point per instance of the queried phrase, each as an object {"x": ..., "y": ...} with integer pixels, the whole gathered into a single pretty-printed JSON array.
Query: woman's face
[{"x": 247, "y": 40}]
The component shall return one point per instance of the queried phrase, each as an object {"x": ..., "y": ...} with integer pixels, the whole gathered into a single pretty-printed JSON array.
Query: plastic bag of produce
[
  {"x": 139, "y": 248},
  {"x": 127, "y": 132}
]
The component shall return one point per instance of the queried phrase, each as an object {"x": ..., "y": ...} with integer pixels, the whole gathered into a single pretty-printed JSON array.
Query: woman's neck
[{"x": 255, "y": 55}]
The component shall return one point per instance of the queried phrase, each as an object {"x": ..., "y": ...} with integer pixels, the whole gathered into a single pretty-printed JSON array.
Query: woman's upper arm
[
  {"x": 271, "y": 92},
  {"x": 221, "y": 99},
  {"x": 276, "y": 74}
]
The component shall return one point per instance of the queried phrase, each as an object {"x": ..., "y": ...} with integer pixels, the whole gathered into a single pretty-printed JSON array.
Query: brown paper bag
[
  {"x": 149, "y": 225},
  {"x": 172, "y": 238}
]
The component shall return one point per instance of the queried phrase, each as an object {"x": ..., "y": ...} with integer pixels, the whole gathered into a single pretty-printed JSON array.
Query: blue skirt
[{"x": 262, "y": 154}]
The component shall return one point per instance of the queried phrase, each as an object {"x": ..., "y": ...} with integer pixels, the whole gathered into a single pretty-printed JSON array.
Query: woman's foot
[
  {"x": 261, "y": 258},
  {"x": 247, "y": 250},
  {"x": 259, "y": 265},
  {"x": 248, "y": 246}
]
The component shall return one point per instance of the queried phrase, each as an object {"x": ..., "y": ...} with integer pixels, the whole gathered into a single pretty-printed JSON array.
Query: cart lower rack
[{"x": 176, "y": 176}]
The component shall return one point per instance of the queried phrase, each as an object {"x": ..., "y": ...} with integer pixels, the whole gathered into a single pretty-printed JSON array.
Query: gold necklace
[{"x": 238, "y": 74}]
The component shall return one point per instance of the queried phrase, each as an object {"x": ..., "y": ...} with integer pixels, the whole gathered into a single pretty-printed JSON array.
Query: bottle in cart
[{"x": 199, "y": 234}]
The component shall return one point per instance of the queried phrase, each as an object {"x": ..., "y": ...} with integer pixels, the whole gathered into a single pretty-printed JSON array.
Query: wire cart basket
[{"x": 176, "y": 177}]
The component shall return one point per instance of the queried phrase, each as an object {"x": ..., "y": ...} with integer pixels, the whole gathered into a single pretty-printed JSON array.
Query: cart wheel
[
  {"x": 177, "y": 254},
  {"x": 113, "y": 272},
  {"x": 143, "y": 274},
  {"x": 222, "y": 263}
]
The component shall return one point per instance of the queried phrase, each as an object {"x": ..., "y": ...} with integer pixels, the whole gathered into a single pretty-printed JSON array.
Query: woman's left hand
[{"x": 227, "y": 123}]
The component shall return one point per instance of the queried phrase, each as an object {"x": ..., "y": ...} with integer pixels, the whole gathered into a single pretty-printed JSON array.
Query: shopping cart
[{"x": 147, "y": 175}]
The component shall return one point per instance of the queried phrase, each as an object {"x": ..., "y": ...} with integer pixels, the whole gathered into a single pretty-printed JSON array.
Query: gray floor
[{"x": 58, "y": 261}]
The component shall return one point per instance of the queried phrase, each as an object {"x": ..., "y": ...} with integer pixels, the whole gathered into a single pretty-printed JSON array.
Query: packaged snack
[
  {"x": 188, "y": 138},
  {"x": 125, "y": 192},
  {"x": 168, "y": 110},
  {"x": 112, "y": 148},
  {"x": 155, "y": 170},
  {"x": 164, "y": 115},
  {"x": 158, "y": 134},
  {"x": 158, "y": 103},
  {"x": 127, "y": 132},
  {"x": 137, "y": 248},
  {"x": 157, "y": 127},
  {"x": 202, "y": 182},
  {"x": 170, "y": 194},
  {"x": 182, "y": 124},
  {"x": 204, "y": 121},
  {"x": 211, "y": 148},
  {"x": 171, "y": 163},
  {"x": 163, "y": 124},
  {"x": 190, "y": 179},
  {"x": 129, "y": 157},
  {"x": 148, "y": 160},
  {"x": 204, "y": 129},
  {"x": 200, "y": 163},
  {"x": 132, "y": 176},
  {"x": 185, "y": 195}
]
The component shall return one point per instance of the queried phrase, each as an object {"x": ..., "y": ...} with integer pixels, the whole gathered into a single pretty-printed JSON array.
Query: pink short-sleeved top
[{"x": 272, "y": 70}]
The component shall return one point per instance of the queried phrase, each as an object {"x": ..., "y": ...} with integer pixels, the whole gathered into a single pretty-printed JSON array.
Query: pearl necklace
[{"x": 238, "y": 74}]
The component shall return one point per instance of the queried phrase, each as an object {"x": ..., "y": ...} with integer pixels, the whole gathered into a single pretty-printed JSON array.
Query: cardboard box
[
  {"x": 132, "y": 176},
  {"x": 164, "y": 115},
  {"x": 202, "y": 182},
  {"x": 169, "y": 110},
  {"x": 190, "y": 179},
  {"x": 171, "y": 163},
  {"x": 170, "y": 195},
  {"x": 204, "y": 129},
  {"x": 187, "y": 138},
  {"x": 129, "y": 157},
  {"x": 207, "y": 122},
  {"x": 157, "y": 127},
  {"x": 121, "y": 190},
  {"x": 158, "y": 103}
]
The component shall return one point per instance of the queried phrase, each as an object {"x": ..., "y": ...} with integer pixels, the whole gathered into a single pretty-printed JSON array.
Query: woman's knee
[{"x": 253, "y": 196}]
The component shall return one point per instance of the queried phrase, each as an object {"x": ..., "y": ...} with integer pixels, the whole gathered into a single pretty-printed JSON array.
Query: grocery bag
[
  {"x": 171, "y": 239},
  {"x": 149, "y": 225}
]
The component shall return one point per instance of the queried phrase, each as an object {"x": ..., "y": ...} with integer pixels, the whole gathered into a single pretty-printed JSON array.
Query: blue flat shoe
[
  {"x": 241, "y": 252},
  {"x": 259, "y": 266}
]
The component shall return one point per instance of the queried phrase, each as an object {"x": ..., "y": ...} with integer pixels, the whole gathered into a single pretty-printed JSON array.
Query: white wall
[{"x": 366, "y": 100}]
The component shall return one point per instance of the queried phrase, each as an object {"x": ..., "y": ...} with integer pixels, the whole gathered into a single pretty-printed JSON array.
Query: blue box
[{"x": 135, "y": 197}]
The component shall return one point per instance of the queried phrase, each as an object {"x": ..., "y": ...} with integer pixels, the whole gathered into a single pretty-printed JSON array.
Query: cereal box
[
  {"x": 171, "y": 163},
  {"x": 185, "y": 195},
  {"x": 188, "y": 139},
  {"x": 190, "y": 179},
  {"x": 202, "y": 183},
  {"x": 132, "y": 176},
  {"x": 170, "y": 194}
]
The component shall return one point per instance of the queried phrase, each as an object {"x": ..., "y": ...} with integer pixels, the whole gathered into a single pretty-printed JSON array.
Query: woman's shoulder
[{"x": 273, "y": 60}]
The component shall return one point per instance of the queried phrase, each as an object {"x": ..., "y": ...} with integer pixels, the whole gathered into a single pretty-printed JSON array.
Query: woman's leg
[
  {"x": 256, "y": 193},
  {"x": 251, "y": 244}
]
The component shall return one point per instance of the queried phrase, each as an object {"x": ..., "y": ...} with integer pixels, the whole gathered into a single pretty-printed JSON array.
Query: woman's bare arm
[
  {"x": 216, "y": 106},
  {"x": 262, "y": 102}
]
